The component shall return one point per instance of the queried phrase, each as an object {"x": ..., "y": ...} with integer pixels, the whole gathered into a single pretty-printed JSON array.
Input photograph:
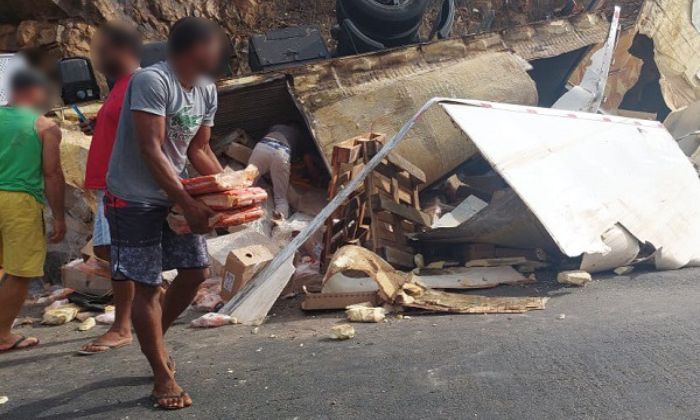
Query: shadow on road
[{"x": 46, "y": 407}]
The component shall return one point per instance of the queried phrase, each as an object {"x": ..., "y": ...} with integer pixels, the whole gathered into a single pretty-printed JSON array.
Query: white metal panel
[{"x": 581, "y": 174}]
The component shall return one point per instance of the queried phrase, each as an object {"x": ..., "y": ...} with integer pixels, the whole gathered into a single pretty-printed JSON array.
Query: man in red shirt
[{"x": 116, "y": 51}]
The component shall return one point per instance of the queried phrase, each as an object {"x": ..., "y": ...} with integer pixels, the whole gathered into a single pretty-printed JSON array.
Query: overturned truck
[{"x": 344, "y": 97}]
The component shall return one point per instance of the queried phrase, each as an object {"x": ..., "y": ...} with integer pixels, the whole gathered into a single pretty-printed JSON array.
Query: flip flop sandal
[
  {"x": 182, "y": 397},
  {"x": 16, "y": 345},
  {"x": 106, "y": 348}
]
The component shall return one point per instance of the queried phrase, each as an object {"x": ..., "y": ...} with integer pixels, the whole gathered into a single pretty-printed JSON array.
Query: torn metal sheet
[
  {"x": 581, "y": 174},
  {"x": 684, "y": 126},
  {"x": 624, "y": 249},
  {"x": 676, "y": 44},
  {"x": 624, "y": 71},
  {"x": 506, "y": 222},
  {"x": 402, "y": 288},
  {"x": 588, "y": 96}
]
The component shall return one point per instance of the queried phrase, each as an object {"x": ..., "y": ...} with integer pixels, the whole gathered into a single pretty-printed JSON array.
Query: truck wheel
[{"x": 382, "y": 16}]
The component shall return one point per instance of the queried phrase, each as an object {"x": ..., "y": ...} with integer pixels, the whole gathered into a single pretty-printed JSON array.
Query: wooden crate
[{"x": 383, "y": 211}]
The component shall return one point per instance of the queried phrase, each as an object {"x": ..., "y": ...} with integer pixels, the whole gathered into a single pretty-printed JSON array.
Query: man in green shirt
[{"x": 30, "y": 174}]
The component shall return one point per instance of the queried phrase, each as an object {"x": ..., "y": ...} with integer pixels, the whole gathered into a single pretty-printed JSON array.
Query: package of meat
[
  {"x": 225, "y": 181},
  {"x": 224, "y": 219},
  {"x": 234, "y": 199}
]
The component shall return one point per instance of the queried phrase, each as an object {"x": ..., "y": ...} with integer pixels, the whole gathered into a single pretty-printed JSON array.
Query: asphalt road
[{"x": 626, "y": 348}]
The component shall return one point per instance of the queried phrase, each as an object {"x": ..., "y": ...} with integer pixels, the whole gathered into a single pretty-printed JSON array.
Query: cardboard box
[
  {"x": 241, "y": 266},
  {"x": 90, "y": 278}
]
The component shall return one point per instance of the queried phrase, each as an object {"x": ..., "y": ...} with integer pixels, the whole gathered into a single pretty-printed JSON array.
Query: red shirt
[{"x": 104, "y": 134}]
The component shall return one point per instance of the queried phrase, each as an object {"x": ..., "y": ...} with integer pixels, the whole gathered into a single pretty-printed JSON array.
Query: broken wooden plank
[
  {"x": 496, "y": 262},
  {"x": 398, "y": 257},
  {"x": 398, "y": 160}
]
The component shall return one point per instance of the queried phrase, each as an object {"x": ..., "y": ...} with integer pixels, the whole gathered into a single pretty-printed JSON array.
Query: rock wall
[{"x": 51, "y": 29}]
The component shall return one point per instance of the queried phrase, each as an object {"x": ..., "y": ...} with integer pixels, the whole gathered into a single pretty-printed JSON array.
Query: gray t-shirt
[{"x": 156, "y": 90}]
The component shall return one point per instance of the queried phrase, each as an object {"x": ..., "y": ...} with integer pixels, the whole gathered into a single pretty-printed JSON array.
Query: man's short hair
[
  {"x": 122, "y": 36},
  {"x": 27, "y": 78},
  {"x": 190, "y": 31}
]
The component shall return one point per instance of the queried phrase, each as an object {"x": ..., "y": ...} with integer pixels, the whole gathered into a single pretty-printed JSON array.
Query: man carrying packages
[{"x": 166, "y": 119}]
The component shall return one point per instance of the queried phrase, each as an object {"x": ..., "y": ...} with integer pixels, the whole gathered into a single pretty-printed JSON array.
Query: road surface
[{"x": 627, "y": 347}]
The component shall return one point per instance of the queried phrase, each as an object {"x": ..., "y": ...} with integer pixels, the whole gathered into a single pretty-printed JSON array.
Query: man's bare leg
[
  {"x": 147, "y": 319},
  {"x": 119, "y": 334},
  {"x": 181, "y": 293},
  {"x": 13, "y": 292}
]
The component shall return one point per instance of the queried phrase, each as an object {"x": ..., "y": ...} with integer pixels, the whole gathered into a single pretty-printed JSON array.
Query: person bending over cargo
[
  {"x": 117, "y": 49},
  {"x": 30, "y": 169},
  {"x": 274, "y": 154},
  {"x": 166, "y": 119}
]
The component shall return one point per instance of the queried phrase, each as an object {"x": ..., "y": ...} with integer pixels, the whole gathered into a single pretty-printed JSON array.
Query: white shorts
[{"x": 100, "y": 232}]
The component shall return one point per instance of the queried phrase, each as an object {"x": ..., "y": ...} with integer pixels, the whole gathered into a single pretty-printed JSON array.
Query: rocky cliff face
[{"x": 51, "y": 29}]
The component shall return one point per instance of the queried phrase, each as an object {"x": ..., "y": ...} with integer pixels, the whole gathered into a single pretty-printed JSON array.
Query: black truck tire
[{"x": 375, "y": 18}]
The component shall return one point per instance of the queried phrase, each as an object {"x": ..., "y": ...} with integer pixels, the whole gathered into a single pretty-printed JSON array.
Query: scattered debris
[
  {"x": 623, "y": 271},
  {"x": 561, "y": 316},
  {"x": 403, "y": 289},
  {"x": 212, "y": 320},
  {"x": 27, "y": 320},
  {"x": 87, "y": 324},
  {"x": 107, "y": 317},
  {"x": 575, "y": 278},
  {"x": 342, "y": 332},
  {"x": 82, "y": 316},
  {"x": 4, "y": 399},
  {"x": 365, "y": 312},
  {"x": 59, "y": 314}
]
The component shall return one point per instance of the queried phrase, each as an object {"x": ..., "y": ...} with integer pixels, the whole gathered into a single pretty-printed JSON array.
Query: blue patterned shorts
[{"x": 143, "y": 245}]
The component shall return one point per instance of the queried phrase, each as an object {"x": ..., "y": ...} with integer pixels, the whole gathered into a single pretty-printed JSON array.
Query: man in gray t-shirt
[
  {"x": 156, "y": 90},
  {"x": 165, "y": 121}
]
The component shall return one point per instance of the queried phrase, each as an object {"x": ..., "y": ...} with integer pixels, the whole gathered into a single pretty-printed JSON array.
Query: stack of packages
[{"x": 229, "y": 194}]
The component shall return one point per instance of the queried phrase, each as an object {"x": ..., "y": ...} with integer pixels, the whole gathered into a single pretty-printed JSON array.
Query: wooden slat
[
  {"x": 398, "y": 257},
  {"x": 398, "y": 160},
  {"x": 410, "y": 213}
]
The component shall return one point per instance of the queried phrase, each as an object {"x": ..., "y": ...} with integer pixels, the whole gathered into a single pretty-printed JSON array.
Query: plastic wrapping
[
  {"x": 234, "y": 199},
  {"x": 178, "y": 223},
  {"x": 224, "y": 181},
  {"x": 212, "y": 320}
]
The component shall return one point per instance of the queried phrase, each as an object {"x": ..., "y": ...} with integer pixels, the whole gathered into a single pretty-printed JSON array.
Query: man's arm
[
  {"x": 54, "y": 182},
  {"x": 150, "y": 132},
  {"x": 200, "y": 154}
]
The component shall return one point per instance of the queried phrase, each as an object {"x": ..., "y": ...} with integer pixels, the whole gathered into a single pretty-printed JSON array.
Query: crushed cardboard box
[{"x": 396, "y": 287}]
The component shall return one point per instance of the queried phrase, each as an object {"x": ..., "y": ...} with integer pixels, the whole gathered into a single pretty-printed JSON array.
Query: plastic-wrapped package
[
  {"x": 212, "y": 320},
  {"x": 225, "y": 219},
  {"x": 224, "y": 181},
  {"x": 234, "y": 199}
]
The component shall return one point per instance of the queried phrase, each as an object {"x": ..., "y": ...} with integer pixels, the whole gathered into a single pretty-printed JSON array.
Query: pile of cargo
[{"x": 230, "y": 194}]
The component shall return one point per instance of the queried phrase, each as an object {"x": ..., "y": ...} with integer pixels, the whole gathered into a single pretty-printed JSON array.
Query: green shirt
[{"x": 20, "y": 152}]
